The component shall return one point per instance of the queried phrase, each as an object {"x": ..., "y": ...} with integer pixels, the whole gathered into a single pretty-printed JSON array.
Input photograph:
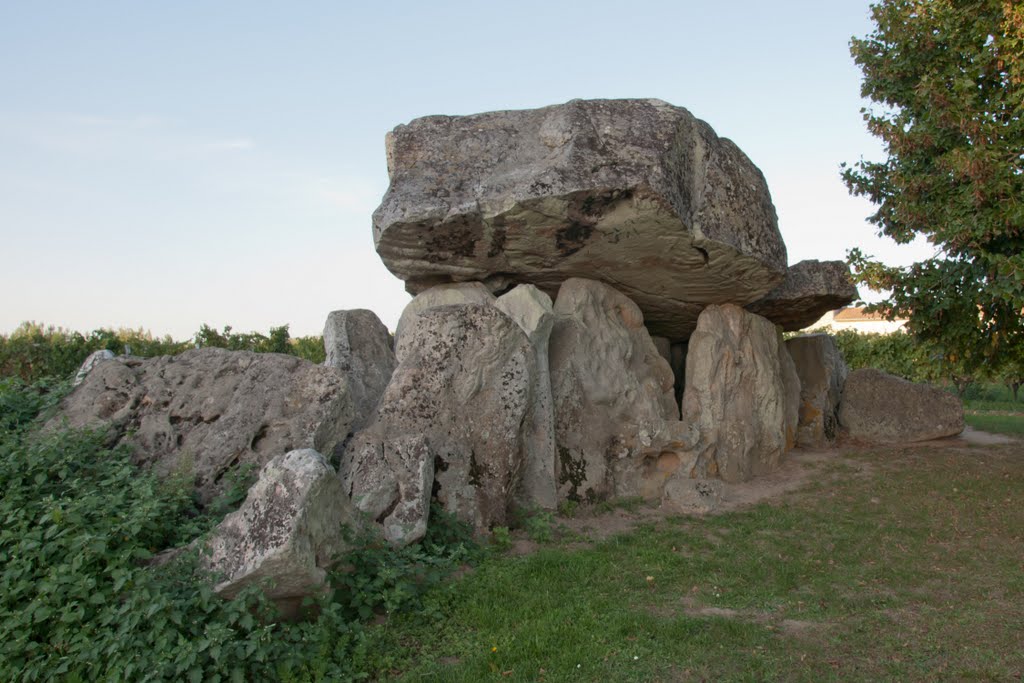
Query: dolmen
[{"x": 600, "y": 295}]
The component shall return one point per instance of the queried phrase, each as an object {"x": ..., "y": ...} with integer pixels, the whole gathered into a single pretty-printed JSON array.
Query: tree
[{"x": 946, "y": 79}]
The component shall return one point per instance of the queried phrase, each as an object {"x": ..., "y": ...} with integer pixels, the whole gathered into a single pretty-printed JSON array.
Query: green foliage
[
  {"x": 35, "y": 351},
  {"x": 80, "y": 598},
  {"x": 947, "y": 82}
]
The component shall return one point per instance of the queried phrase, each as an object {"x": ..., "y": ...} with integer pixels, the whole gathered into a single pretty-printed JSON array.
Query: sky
[{"x": 168, "y": 165}]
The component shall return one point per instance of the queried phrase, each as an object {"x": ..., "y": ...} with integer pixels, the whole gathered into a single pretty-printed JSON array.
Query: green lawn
[
  {"x": 898, "y": 565},
  {"x": 997, "y": 422}
]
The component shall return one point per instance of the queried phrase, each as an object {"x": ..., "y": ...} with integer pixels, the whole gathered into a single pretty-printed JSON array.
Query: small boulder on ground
[
  {"x": 880, "y": 408},
  {"x": 286, "y": 534},
  {"x": 206, "y": 412},
  {"x": 636, "y": 193}
]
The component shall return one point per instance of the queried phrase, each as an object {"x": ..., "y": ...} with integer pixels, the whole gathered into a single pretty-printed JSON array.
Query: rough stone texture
[
  {"x": 441, "y": 295},
  {"x": 684, "y": 495},
  {"x": 880, "y": 408},
  {"x": 810, "y": 290},
  {"x": 734, "y": 394},
  {"x": 89, "y": 363},
  {"x": 208, "y": 411},
  {"x": 636, "y": 193},
  {"x": 463, "y": 385},
  {"x": 822, "y": 371},
  {"x": 390, "y": 480},
  {"x": 286, "y": 533},
  {"x": 613, "y": 392},
  {"x": 358, "y": 344},
  {"x": 664, "y": 347},
  {"x": 791, "y": 395},
  {"x": 531, "y": 309}
]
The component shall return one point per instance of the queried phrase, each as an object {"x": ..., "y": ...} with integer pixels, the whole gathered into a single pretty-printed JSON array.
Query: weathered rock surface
[
  {"x": 613, "y": 393},
  {"x": 390, "y": 480},
  {"x": 637, "y": 193},
  {"x": 685, "y": 495},
  {"x": 286, "y": 534},
  {"x": 822, "y": 372},
  {"x": 880, "y": 408},
  {"x": 531, "y": 309},
  {"x": 208, "y": 411},
  {"x": 734, "y": 394},
  {"x": 358, "y": 344},
  {"x": 810, "y": 290},
  {"x": 441, "y": 295},
  {"x": 791, "y": 395},
  {"x": 90, "y": 362},
  {"x": 459, "y": 399}
]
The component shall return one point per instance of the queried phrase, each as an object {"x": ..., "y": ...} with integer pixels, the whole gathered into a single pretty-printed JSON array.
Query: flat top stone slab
[
  {"x": 811, "y": 289},
  {"x": 636, "y": 193}
]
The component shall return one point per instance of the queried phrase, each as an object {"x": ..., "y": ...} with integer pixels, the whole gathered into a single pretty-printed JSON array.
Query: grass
[
  {"x": 905, "y": 565},
  {"x": 992, "y": 422}
]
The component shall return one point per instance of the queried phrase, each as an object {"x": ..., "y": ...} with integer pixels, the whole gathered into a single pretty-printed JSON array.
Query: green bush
[
  {"x": 34, "y": 351},
  {"x": 81, "y": 601}
]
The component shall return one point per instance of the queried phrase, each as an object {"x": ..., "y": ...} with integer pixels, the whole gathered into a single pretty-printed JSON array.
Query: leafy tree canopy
[{"x": 946, "y": 82}]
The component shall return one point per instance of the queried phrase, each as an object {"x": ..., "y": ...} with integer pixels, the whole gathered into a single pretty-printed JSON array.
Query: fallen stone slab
[
  {"x": 207, "y": 412},
  {"x": 811, "y": 289},
  {"x": 286, "y": 534},
  {"x": 636, "y": 193},
  {"x": 877, "y": 407}
]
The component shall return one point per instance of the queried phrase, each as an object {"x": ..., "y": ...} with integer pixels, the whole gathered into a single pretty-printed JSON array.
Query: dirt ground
[{"x": 590, "y": 524}]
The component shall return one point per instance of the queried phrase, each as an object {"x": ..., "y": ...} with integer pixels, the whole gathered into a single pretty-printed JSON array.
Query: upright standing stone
[
  {"x": 458, "y": 398},
  {"x": 636, "y": 193},
  {"x": 791, "y": 393},
  {"x": 89, "y": 363},
  {"x": 441, "y": 295},
  {"x": 358, "y": 344},
  {"x": 612, "y": 391},
  {"x": 822, "y": 372},
  {"x": 734, "y": 394},
  {"x": 531, "y": 309}
]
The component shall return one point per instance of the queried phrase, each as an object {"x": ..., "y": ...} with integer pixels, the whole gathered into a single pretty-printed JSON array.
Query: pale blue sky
[{"x": 164, "y": 165}]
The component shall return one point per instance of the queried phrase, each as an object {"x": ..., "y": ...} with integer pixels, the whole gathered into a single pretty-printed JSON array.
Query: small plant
[
  {"x": 501, "y": 538},
  {"x": 568, "y": 508},
  {"x": 539, "y": 526}
]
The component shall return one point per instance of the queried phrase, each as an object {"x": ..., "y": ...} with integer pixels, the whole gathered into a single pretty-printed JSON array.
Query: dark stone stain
[
  {"x": 704, "y": 254},
  {"x": 572, "y": 238},
  {"x": 498, "y": 236}
]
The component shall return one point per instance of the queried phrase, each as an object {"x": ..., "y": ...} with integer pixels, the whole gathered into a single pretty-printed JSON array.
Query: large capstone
[
  {"x": 615, "y": 411},
  {"x": 454, "y": 414},
  {"x": 811, "y": 289},
  {"x": 207, "y": 412},
  {"x": 636, "y": 193},
  {"x": 877, "y": 407},
  {"x": 822, "y": 371},
  {"x": 358, "y": 344},
  {"x": 287, "y": 533},
  {"x": 735, "y": 394}
]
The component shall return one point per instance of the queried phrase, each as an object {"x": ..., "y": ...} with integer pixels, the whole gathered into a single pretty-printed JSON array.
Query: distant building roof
[{"x": 857, "y": 314}]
